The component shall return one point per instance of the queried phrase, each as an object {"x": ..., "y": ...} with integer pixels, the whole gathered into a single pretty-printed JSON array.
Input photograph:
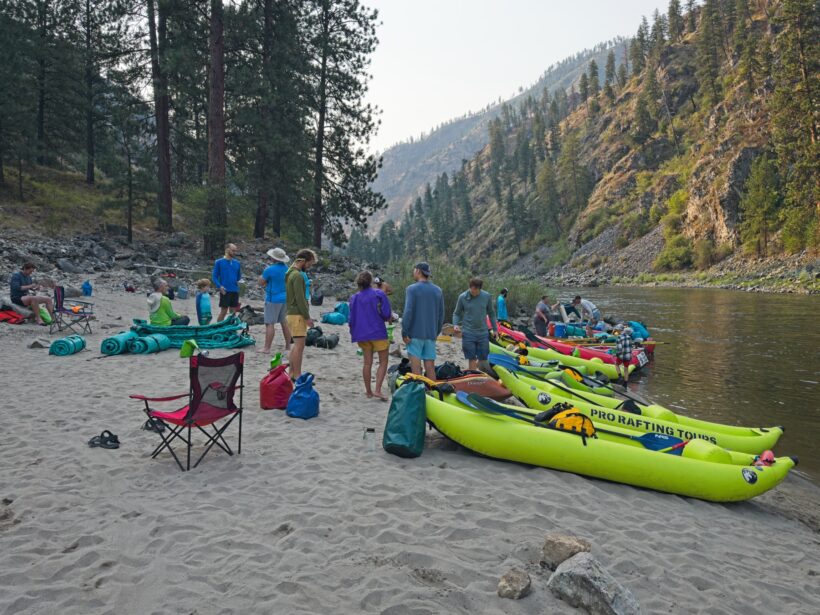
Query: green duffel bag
[{"x": 404, "y": 429}]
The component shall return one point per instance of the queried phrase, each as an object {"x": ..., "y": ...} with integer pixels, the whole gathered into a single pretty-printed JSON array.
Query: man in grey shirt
[{"x": 470, "y": 317}]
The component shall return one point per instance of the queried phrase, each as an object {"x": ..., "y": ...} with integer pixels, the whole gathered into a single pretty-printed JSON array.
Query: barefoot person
[
  {"x": 21, "y": 287},
  {"x": 273, "y": 281},
  {"x": 473, "y": 308},
  {"x": 422, "y": 320},
  {"x": 298, "y": 311},
  {"x": 226, "y": 275},
  {"x": 369, "y": 310}
]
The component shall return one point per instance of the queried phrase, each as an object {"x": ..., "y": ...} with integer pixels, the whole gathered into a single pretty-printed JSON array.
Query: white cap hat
[{"x": 278, "y": 254}]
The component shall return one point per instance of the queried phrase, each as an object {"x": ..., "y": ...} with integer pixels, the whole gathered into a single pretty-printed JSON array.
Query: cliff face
[{"x": 408, "y": 166}]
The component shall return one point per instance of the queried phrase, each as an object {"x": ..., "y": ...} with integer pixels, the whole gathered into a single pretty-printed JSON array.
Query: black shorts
[
  {"x": 229, "y": 300},
  {"x": 18, "y": 301}
]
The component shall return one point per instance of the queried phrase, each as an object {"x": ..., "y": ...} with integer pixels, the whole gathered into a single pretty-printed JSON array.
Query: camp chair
[
  {"x": 71, "y": 314},
  {"x": 211, "y": 398}
]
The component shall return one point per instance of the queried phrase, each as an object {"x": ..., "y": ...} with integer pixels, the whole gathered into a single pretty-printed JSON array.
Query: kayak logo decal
[
  {"x": 749, "y": 476},
  {"x": 544, "y": 398}
]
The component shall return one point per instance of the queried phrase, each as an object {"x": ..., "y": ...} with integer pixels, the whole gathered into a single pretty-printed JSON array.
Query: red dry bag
[{"x": 275, "y": 389}]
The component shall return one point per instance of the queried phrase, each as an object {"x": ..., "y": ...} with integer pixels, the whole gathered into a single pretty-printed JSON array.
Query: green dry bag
[{"x": 404, "y": 429}]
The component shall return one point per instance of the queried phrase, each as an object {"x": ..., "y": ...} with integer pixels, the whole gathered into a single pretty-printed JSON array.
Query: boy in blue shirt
[
  {"x": 203, "y": 302},
  {"x": 226, "y": 275}
]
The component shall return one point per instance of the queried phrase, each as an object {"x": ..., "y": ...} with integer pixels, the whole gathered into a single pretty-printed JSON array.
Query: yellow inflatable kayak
[
  {"x": 701, "y": 470},
  {"x": 541, "y": 395},
  {"x": 545, "y": 355}
]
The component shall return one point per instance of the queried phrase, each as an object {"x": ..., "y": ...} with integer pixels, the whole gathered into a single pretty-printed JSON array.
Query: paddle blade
[{"x": 659, "y": 441}]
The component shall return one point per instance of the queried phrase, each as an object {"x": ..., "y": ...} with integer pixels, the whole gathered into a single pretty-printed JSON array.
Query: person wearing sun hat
[{"x": 273, "y": 281}]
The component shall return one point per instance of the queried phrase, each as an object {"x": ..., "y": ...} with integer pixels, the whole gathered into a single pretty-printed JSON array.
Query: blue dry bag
[
  {"x": 342, "y": 308},
  {"x": 304, "y": 401},
  {"x": 404, "y": 429},
  {"x": 86, "y": 288},
  {"x": 334, "y": 318}
]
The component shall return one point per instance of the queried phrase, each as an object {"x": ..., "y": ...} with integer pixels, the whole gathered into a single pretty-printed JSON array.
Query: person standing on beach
[
  {"x": 501, "y": 305},
  {"x": 273, "y": 281},
  {"x": 541, "y": 318},
  {"x": 226, "y": 275},
  {"x": 297, "y": 308},
  {"x": 203, "y": 302},
  {"x": 422, "y": 320},
  {"x": 473, "y": 308},
  {"x": 369, "y": 310},
  {"x": 20, "y": 287}
]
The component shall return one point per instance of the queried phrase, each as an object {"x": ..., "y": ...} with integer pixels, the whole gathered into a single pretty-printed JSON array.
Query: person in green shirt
[
  {"x": 159, "y": 307},
  {"x": 297, "y": 308}
]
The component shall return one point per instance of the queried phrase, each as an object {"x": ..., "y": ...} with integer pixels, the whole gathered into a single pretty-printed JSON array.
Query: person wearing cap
[
  {"x": 273, "y": 281},
  {"x": 226, "y": 275},
  {"x": 501, "y": 305},
  {"x": 161, "y": 314},
  {"x": 473, "y": 308},
  {"x": 623, "y": 352},
  {"x": 422, "y": 320},
  {"x": 298, "y": 309}
]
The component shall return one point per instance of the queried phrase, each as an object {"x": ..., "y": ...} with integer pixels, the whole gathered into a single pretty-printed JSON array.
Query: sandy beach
[{"x": 306, "y": 520}]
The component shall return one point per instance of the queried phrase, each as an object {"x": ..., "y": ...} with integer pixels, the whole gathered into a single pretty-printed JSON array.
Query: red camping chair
[
  {"x": 214, "y": 383},
  {"x": 70, "y": 313}
]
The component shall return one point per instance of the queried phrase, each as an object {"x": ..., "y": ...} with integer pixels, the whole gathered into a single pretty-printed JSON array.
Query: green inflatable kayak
[
  {"x": 540, "y": 395},
  {"x": 699, "y": 470}
]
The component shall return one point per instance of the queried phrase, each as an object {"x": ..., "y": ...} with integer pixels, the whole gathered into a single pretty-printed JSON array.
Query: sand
[{"x": 305, "y": 520}]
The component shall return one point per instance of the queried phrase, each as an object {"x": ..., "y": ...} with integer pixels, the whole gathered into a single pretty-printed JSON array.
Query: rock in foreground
[
  {"x": 582, "y": 582},
  {"x": 515, "y": 584}
]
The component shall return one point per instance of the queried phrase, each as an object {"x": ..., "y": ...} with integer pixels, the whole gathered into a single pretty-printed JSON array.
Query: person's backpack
[
  {"x": 447, "y": 371},
  {"x": 304, "y": 401},
  {"x": 317, "y": 297},
  {"x": 329, "y": 341},
  {"x": 404, "y": 429},
  {"x": 275, "y": 389},
  {"x": 312, "y": 335}
]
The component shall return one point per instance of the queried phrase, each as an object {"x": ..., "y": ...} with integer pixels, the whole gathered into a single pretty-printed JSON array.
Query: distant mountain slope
[{"x": 410, "y": 165}]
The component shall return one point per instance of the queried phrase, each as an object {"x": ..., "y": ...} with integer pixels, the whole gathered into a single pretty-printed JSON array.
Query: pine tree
[
  {"x": 708, "y": 66},
  {"x": 594, "y": 79},
  {"x": 642, "y": 123},
  {"x": 657, "y": 36},
  {"x": 652, "y": 92},
  {"x": 759, "y": 205},
  {"x": 622, "y": 77},
  {"x": 583, "y": 87},
  {"x": 675, "y": 21},
  {"x": 636, "y": 56},
  {"x": 691, "y": 16},
  {"x": 548, "y": 218},
  {"x": 609, "y": 75},
  {"x": 574, "y": 183}
]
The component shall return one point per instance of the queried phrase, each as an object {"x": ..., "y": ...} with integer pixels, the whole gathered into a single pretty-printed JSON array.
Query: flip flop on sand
[
  {"x": 154, "y": 424},
  {"x": 380, "y": 396},
  {"x": 105, "y": 440}
]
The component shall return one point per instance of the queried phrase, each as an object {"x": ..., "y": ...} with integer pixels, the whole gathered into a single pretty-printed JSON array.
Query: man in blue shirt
[
  {"x": 226, "y": 275},
  {"x": 273, "y": 281},
  {"x": 422, "y": 320}
]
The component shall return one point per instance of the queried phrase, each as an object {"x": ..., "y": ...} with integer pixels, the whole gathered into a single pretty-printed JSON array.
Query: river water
[{"x": 734, "y": 357}]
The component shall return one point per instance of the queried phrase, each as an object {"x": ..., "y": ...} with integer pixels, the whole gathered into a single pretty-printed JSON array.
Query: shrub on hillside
[{"x": 676, "y": 254}]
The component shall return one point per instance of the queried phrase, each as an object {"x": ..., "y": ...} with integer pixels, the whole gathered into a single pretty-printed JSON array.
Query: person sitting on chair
[
  {"x": 21, "y": 286},
  {"x": 159, "y": 307}
]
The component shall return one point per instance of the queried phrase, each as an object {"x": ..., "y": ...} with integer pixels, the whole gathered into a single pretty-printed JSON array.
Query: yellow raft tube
[
  {"x": 545, "y": 354},
  {"x": 541, "y": 395},
  {"x": 703, "y": 470}
]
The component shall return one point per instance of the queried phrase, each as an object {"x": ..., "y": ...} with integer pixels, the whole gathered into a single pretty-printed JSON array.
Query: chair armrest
[{"x": 144, "y": 398}]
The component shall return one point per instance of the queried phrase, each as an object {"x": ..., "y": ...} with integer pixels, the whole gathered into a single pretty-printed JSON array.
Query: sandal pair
[
  {"x": 154, "y": 424},
  {"x": 105, "y": 440}
]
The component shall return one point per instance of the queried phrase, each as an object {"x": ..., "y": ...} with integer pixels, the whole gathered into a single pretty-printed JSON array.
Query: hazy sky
[{"x": 438, "y": 59}]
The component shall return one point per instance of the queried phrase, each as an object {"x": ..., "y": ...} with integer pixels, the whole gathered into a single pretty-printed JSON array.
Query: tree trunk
[
  {"x": 89, "y": 98},
  {"x": 41, "y": 87},
  {"x": 318, "y": 178},
  {"x": 157, "y": 36},
  {"x": 276, "y": 214},
  {"x": 264, "y": 152},
  {"x": 2, "y": 153},
  {"x": 216, "y": 214}
]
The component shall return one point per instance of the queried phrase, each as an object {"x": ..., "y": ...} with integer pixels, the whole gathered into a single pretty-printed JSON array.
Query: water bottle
[{"x": 370, "y": 439}]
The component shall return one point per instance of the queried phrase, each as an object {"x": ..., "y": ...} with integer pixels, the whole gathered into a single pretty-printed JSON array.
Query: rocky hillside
[
  {"x": 703, "y": 146},
  {"x": 408, "y": 166}
]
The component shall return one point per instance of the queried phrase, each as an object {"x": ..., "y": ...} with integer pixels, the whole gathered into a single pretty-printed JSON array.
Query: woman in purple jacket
[{"x": 369, "y": 310}]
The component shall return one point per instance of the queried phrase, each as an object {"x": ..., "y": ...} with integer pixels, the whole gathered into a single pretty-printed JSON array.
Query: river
[{"x": 739, "y": 358}]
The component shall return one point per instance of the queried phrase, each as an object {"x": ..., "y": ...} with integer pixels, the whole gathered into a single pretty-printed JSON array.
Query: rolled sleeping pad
[
  {"x": 149, "y": 344},
  {"x": 67, "y": 345},
  {"x": 117, "y": 344}
]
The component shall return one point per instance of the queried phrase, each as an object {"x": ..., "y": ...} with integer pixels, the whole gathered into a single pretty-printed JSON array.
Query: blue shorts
[
  {"x": 422, "y": 349},
  {"x": 475, "y": 346}
]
